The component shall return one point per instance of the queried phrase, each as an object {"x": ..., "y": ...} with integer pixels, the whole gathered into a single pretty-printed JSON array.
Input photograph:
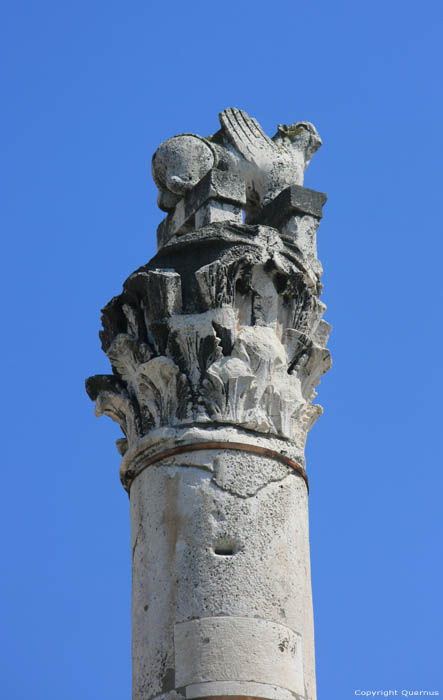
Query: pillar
[{"x": 216, "y": 346}]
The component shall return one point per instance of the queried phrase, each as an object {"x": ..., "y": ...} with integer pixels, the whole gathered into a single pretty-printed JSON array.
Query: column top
[
  {"x": 238, "y": 174},
  {"x": 220, "y": 338}
]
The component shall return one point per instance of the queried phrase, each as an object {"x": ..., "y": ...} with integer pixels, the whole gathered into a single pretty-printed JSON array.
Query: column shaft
[{"x": 221, "y": 581}]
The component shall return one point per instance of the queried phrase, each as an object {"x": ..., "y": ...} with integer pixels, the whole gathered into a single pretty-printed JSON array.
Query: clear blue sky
[{"x": 89, "y": 90}]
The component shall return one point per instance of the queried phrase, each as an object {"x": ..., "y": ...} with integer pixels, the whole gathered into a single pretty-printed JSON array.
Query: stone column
[{"x": 216, "y": 346}]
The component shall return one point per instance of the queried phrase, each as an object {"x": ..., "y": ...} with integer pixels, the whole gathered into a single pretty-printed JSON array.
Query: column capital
[{"x": 222, "y": 328}]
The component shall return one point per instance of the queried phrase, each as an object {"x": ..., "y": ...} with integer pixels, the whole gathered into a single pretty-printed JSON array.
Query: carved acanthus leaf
[
  {"x": 121, "y": 410},
  {"x": 162, "y": 392},
  {"x": 193, "y": 345},
  {"x": 228, "y": 390},
  {"x": 112, "y": 399},
  {"x": 126, "y": 355},
  {"x": 252, "y": 387}
]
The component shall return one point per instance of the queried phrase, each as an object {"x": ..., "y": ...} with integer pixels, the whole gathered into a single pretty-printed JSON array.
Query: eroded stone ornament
[
  {"x": 216, "y": 347},
  {"x": 237, "y": 169}
]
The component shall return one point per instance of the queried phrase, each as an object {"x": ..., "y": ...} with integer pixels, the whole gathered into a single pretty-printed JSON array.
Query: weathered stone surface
[
  {"x": 218, "y": 344},
  {"x": 232, "y": 538},
  {"x": 217, "y": 191},
  {"x": 268, "y": 652},
  {"x": 294, "y": 200},
  {"x": 179, "y": 164},
  {"x": 245, "y": 348},
  {"x": 239, "y": 164}
]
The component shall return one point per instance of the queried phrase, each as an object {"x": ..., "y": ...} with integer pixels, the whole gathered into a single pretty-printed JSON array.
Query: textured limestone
[
  {"x": 219, "y": 340},
  {"x": 232, "y": 334},
  {"x": 232, "y": 536},
  {"x": 239, "y": 164},
  {"x": 268, "y": 652}
]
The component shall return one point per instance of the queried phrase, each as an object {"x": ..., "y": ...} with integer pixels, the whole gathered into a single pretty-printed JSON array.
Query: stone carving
[
  {"x": 234, "y": 336},
  {"x": 238, "y": 168},
  {"x": 236, "y": 339}
]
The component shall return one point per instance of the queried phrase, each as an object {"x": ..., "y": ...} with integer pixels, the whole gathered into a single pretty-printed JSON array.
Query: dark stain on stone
[
  {"x": 283, "y": 645},
  {"x": 168, "y": 682},
  {"x": 171, "y": 518}
]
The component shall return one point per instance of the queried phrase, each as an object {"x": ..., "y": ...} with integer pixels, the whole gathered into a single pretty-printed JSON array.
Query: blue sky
[{"x": 89, "y": 91}]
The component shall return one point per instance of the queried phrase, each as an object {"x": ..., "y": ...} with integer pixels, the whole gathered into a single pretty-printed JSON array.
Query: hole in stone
[
  {"x": 225, "y": 548},
  {"x": 224, "y": 551}
]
